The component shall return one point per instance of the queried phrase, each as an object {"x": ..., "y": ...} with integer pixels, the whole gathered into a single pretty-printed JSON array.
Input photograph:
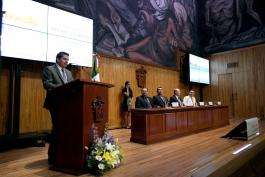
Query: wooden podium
[{"x": 81, "y": 104}]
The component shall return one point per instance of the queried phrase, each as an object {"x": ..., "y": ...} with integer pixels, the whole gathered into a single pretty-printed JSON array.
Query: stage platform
[{"x": 198, "y": 155}]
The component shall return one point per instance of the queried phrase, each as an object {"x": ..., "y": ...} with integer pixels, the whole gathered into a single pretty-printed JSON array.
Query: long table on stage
[{"x": 157, "y": 124}]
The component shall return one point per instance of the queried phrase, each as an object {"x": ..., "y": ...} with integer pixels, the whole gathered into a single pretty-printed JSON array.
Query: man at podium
[{"x": 52, "y": 77}]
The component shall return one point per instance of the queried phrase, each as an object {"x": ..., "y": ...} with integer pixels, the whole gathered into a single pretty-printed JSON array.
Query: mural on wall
[
  {"x": 145, "y": 31},
  {"x": 149, "y": 31},
  {"x": 231, "y": 24}
]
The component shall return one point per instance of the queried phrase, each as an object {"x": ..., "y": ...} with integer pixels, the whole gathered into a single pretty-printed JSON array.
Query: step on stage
[{"x": 198, "y": 155}]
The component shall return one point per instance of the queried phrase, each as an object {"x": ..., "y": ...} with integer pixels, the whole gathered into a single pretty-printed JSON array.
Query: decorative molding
[
  {"x": 97, "y": 109},
  {"x": 141, "y": 77}
]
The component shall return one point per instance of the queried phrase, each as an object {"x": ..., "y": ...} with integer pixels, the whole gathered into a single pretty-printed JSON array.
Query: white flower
[
  {"x": 114, "y": 163},
  {"x": 109, "y": 146},
  {"x": 98, "y": 157},
  {"x": 101, "y": 166},
  {"x": 116, "y": 152}
]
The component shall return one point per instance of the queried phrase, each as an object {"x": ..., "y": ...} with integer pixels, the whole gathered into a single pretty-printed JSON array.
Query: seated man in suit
[
  {"x": 143, "y": 101},
  {"x": 53, "y": 77},
  {"x": 159, "y": 100},
  {"x": 190, "y": 100},
  {"x": 176, "y": 98}
]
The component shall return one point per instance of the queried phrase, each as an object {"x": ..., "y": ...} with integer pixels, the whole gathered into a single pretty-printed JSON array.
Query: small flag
[{"x": 95, "y": 69}]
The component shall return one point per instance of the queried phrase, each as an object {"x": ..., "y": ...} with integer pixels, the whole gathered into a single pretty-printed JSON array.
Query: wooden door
[{"x": 225, "y": 90}]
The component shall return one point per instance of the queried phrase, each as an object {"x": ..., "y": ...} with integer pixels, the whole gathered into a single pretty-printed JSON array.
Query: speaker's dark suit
[
  {"x": 175, "y": 99},
  {"x": 52, "y": 78},
  {"x": 142, "y": 103},
  {"x": 159, "y": 102}
]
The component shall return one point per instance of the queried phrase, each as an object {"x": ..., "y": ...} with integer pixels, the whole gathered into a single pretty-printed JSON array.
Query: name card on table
[
  {"x": 175, "y": 104},
  {"x": 201, "y": 104},
  {"x": 210, "y": 103}
]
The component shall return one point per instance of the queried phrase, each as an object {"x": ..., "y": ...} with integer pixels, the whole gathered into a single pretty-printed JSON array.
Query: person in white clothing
[{"x": 190, "y": 100}]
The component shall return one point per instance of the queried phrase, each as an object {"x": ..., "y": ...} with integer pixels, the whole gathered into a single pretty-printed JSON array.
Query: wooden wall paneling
[
  {"x": 244, "y": 89},
  {"x": 213, "y": 80},
  {"x": 4, "y": 89},
  {"x": 225, "y": 91},
  {"x": 244, "y": 94},
  {"x": 247, "y": 80},
  {"x": 116, "y": 72},
  {"x": 260, "y": 80},
  {"x": 33, "y": 117},
  {"x": 217, "y": 66}
]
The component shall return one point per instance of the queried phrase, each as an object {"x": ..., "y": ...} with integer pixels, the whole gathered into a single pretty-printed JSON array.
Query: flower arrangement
[{"x": 104, "y": 154}]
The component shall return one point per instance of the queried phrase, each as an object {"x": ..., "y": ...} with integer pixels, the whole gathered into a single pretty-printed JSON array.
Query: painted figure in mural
[
  {"x": 118, "y": 31},
  {"x": 140, "y": 28},
  {"x": 224, "y": 18},
  {"x": 86, "y": 8},
  {"x": 168, "y": 33},
  {"x": 246, "y": 6},
  {"x": 220, "y": 18},
  {"x": 148, "y": 31},
  {"x": 124, "y": 11},
  {"x": 183, "y": 26}
]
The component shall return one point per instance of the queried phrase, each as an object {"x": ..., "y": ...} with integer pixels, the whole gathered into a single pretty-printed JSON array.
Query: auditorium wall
[
  {"x": 246, "y": 78},
  {"x": 3, "y": 100},
  {"x": 238, "y": 79},
  {"x": 34, "y": 118}
]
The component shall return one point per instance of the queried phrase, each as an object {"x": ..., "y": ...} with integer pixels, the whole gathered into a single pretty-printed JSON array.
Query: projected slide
[
  {"x": 31, "y": 44},
  {"x": 199, "y": 69},
  {"x": 34, "y": 31},
  {"x": 24, "y": 32},
  {"x": 25, "y": 14},
  {"x": 73, "y": 33}
]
